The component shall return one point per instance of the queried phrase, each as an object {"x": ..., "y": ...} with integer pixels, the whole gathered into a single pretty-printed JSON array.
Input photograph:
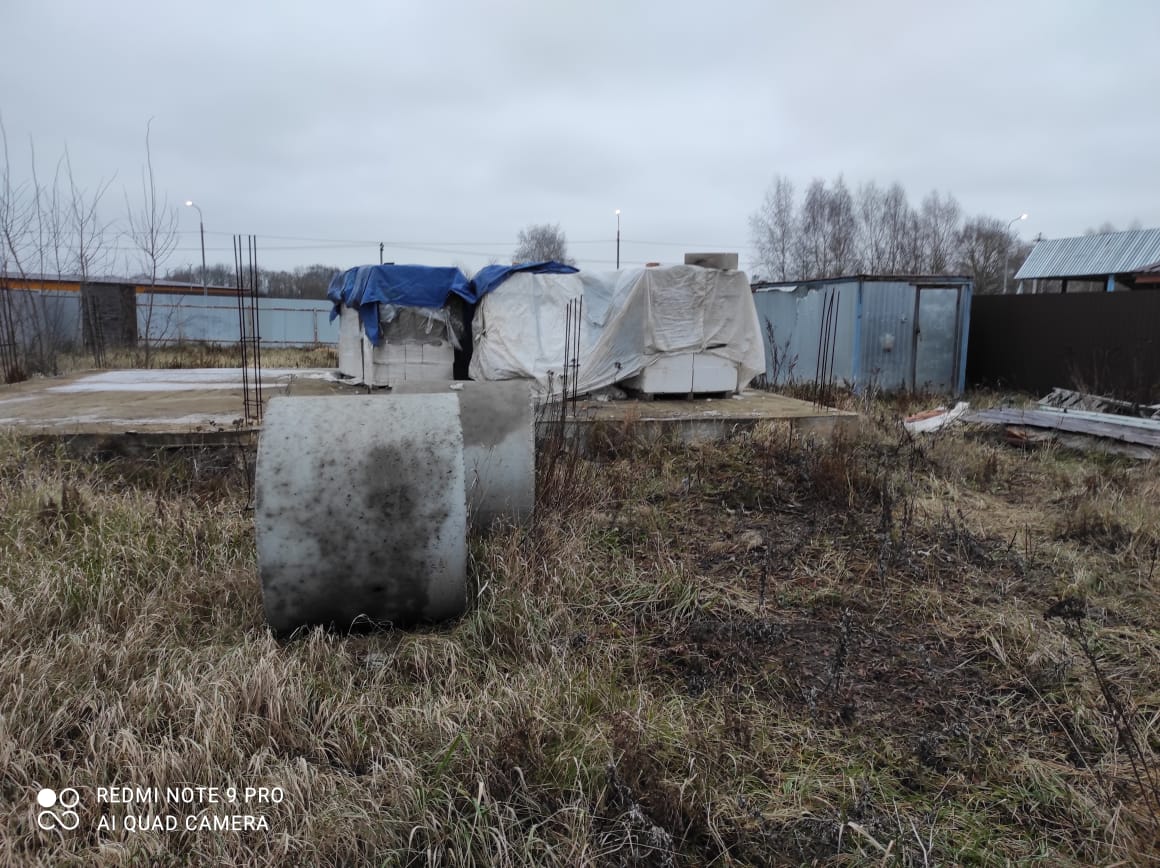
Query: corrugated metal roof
[{"x": 1093, "y": 255}]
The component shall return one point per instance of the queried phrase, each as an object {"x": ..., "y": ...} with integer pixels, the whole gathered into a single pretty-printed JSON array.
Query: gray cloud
[{"x": 459, "y": 123}]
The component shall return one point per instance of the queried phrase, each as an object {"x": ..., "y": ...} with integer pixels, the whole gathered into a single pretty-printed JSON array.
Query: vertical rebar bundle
[
  {"x": 827, "y": 349},
  {"x": 576, "y": 351},
  {"x": 573, "y": 319},
  {"x": 249, "y": 334},
  {"x": 10, "y": 367}
]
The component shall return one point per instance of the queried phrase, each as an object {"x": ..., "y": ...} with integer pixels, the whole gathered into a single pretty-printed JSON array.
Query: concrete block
[
  {"x": 391, "y": 364},
  {"x": 724, "y": 261},
  {"x": 350, "y": 340},
  {"x": 685, "y": 374}
]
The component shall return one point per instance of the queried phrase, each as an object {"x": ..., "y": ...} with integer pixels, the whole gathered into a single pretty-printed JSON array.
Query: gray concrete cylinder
[
  {"x": 499, "y": 446},
  {"x": 361, "y": 512},
  {"x": 499, "y": 450}
]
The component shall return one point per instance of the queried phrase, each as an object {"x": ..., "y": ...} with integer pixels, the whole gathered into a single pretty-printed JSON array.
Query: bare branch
[{"x": 542, "y": 242}]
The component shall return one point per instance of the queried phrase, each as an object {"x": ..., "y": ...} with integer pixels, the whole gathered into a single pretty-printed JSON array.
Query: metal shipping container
[{"x": 891, "y": 333}]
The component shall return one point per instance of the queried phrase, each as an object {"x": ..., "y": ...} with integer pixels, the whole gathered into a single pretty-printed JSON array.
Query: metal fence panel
[
  {"x": 1104, "y": 342},
  {"x": 283, "y": 322},
  {"x": 51, "y": 318}
]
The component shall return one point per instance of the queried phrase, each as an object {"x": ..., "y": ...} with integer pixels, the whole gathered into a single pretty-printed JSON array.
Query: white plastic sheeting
[{"x": 630, "y": 318}]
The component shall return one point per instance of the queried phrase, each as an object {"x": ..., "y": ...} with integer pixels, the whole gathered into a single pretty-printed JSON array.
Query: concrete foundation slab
[
  {"x": 204, "y": 406},
  {"x": 186, "y": 400},
  {"x": 694, "y": 421}
]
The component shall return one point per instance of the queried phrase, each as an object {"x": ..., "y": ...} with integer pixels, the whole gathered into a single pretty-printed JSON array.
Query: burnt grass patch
[{"x": 837, "y": 599}]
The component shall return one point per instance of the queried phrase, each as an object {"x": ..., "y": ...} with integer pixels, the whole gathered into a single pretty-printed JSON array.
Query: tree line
[
  {"x": 830, "y": 230},
  {"x": 305, "y": 281}
]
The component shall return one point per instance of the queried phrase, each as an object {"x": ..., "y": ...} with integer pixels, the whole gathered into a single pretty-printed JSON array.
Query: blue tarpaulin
[
  {"x": 367, "y": 286},
  {"x": 491, "y": 276}
]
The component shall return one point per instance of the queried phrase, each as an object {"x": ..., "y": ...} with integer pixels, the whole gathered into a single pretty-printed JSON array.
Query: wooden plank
[
  {"x": 1069, "y": 399},
  {"x": 1120, "y": 428},
  {"x": 1024, "y": 436},
  {"x": 1113, "y": 418}
]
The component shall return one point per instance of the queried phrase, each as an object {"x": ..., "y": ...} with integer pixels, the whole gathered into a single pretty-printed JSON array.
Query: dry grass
[
  {"x": 768, "y": 651},
  {"x": 200, "y": 356}
]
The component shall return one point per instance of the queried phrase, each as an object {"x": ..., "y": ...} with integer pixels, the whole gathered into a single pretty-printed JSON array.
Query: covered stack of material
[
  {"x": 398, "y": 322},
  {"x": 684, "y": 318}
]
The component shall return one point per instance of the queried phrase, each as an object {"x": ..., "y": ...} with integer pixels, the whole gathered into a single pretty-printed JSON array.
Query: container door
[{"x": 936, "y": 344}]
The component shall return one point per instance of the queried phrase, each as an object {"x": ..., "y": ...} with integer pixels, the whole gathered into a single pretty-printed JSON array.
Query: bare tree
[
  {"x": 33, "y": 325},
  {"x": 982, "y": 249},
  {"x": 88, "y": 234},
  {"x": 940, "y": 220},
  {"x": 834, "y": 232},
  {"x": 774, "y": 231},
  {"x": 901, "y": 228},
  {"x": 1104, "y": 228},
  {"x": 51, "y": 328},
  {"x": 14, "y": 222},
  {"x": 88, "y": 238},
  {"x": 216, "y": 275},
  {"x": 541, "y": 242},
  {"x": 152, "y": 229},
  {"x": 812, "y": 251},
  {"x": 827, "y": 231},
  {"x": 41, "y": 231},
  {"x": 842, "y": 229},
  {"x": 17, "y": 214},
  {"x": 873, "y": 234}
]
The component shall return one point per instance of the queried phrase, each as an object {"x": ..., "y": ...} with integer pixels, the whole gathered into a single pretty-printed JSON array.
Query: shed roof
[{"x": 1093, "y": 255}]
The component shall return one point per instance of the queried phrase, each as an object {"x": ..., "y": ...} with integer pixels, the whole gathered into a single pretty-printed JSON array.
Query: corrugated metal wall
[
  {"x": 168, "y": 318},
  {"x": 888, "y": 335},
  {"x": 283, "y": 322},
  {"x": 1105, "y": 342},
  {"x": 791, "y": 324},
  {"x": 892, "y": 334},
  {"x": 53, "y": 316}
]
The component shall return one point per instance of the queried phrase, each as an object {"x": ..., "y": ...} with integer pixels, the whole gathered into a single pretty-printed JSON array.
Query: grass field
[
  {"x": 766, "y": 651},
  {"x": 193, "y": 355}
]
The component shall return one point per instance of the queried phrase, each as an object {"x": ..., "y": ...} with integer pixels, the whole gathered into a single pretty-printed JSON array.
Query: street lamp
[
  {"x": 189, "y": 203},
  {"x": 618, "y": 239},
  {"x": 1007, "y": 248}
]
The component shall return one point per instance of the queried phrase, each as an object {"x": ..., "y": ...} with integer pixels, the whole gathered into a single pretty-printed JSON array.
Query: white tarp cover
[{"x": 629, "y": 318}]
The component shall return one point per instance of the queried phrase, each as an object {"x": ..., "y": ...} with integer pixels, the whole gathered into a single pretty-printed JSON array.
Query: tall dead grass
[
  {"x": 768, "y": 651},
  {"x": 201, "y": 356}
]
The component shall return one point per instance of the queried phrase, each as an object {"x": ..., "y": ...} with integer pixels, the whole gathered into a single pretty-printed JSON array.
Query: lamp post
[
  {"x": 1007, "y": 248},
  {"x": 618, "y": 239},
  {"x": 189, "y": 203}
]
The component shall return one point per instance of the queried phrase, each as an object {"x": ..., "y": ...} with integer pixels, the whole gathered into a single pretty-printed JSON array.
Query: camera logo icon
[{"x": 58, "y": 810}]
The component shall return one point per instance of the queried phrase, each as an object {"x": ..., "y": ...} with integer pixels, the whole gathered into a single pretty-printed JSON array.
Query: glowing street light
[
  {"x": 617, "y": 239},
  {"x": 1007, "y": 248},
  {"x": 189, "y": 203}
]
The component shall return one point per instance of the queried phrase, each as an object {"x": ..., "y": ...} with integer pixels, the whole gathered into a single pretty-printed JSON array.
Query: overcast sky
[{"x": 443, "y": 128}]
